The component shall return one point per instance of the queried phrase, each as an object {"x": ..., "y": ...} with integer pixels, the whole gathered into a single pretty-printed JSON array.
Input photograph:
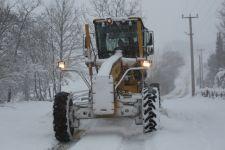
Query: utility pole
[
  {"x": 200, "y": 72},
  {"x": 201, "y": 75},
  {"x": 190, "y": 17}
]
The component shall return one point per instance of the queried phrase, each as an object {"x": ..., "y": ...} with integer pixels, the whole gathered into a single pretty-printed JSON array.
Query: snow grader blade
[{"x": 118, "y": 84}]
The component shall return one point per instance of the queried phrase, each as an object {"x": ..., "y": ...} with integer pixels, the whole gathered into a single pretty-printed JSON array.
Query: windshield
[{"x": 118, "y": 36}]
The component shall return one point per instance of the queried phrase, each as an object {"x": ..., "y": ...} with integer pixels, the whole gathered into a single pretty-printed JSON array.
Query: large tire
[
  {"x": 63, "y": 117},
  {"x": 149, "y": 109},
  {"x": 156, "y": 87}
]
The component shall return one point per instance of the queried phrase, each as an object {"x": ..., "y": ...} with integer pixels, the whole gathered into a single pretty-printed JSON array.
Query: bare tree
[
  {"x": 116, "y": 8},
  {"x": 64, "y": 21},
  {"x": 17, "y": 48},
  {"x": 7, "y": 20},
  {"x": 25, "y": 10},
  {"x": 222, "y": 18},
  {"x": 24, "y": 24},
  {"x": 31, "y": 44}
]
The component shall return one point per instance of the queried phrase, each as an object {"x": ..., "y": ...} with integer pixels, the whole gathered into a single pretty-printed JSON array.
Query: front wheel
[
  {"x": 63, "y": 117},
  {"x": 149, "y": 109},
  {"x": 156, "y": 87}
]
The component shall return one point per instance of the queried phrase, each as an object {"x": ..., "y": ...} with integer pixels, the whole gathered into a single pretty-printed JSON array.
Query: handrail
[{"x": 130, "y": 69}]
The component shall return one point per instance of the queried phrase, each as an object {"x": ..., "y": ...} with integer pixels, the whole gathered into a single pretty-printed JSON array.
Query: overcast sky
[{"x": 164, "y": 17}]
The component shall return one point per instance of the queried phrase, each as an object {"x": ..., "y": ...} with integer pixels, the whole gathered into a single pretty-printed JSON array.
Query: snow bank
[
  {"x": 26, "y": 126},
  {"x": 189, "y": 123}
]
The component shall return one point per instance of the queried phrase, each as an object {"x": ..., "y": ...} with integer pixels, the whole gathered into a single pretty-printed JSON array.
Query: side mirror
[
  {"x": 149, "y": 43},
  {"x": 150, "y": 40},
  {"x": 150, "y": 50}
]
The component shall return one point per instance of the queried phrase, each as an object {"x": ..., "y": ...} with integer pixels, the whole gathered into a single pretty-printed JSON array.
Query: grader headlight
[
  {"x": 146, "y": 64},
  {"x": 61, "y": 65},
  {"x": 109, "y": 21}
]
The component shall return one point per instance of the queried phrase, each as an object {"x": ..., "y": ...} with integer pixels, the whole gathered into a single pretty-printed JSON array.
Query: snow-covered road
[
  {"x": 187, "y": 123},
  {"x": 26, "y": 126}
]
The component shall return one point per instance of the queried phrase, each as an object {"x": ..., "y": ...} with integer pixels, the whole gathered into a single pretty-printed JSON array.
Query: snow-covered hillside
[{"x": 187, "y": 123}]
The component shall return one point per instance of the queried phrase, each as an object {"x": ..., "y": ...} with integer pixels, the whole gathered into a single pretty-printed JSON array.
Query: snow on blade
[{"x": 107, "y": 65}]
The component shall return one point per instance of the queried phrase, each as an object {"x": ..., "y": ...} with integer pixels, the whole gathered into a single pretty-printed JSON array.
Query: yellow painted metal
[
  {"x": 140, "y": 42},
  {"x": 131, "y": 88},
  {"x": 116, "y": 107},
  {"x": 116, "y": 70},
  {"x": 87, "y": 37},
  {"x": 134, "y": 87},
  {"x": 88, "y": 47},
  {"x": 140, "y": 38}
]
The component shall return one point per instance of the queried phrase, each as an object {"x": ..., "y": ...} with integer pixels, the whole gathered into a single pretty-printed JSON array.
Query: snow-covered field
[{"x": 186, "y": 123}]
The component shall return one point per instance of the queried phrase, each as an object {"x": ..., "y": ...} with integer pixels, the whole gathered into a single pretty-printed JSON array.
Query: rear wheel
[
  {"x": 149, "y": 109},
  {"x": 64, "y": 119}
]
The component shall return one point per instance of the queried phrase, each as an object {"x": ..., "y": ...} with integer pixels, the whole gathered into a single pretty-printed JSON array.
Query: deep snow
[
  {"x": 186, "y": 123},
  {"x": 26, "y": 126}
]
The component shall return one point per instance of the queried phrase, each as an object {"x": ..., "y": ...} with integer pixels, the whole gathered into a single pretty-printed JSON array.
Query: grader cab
[{"x": 117, "y": 85}]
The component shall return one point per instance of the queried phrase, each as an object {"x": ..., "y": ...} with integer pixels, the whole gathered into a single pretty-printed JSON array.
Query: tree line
[
  {"x": 216, "y": 62},
  {"x": 34, "y": 37}
]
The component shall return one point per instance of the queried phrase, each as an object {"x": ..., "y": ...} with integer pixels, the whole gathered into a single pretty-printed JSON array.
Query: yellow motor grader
[{"x": 117, "y": 87}]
